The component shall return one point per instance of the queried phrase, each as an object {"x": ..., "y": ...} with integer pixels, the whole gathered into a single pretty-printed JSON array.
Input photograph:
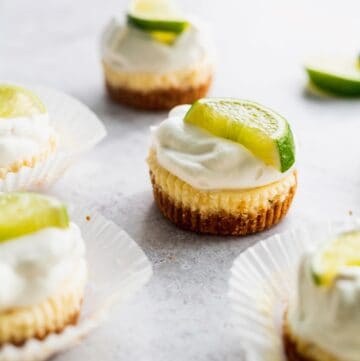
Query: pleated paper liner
[
  {"x": 110, "y": 251},
  {"x": 263, "y": 280},
  {"x": 78, "y": 130}
]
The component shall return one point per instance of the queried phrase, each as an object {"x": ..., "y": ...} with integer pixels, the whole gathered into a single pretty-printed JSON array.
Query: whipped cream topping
[
  {"x": 128, "y": 49},
  {"x": 24, "y": 137},
  {"x": 205, "y": 161},
  {"x": 328, "y": 316},
  {"x": 32, "y": 267}
]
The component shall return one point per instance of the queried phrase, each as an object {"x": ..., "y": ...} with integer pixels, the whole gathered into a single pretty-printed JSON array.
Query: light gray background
[{"x": 183, "y": 314}]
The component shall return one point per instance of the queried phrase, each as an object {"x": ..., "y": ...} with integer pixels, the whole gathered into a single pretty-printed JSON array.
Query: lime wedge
[
  {"x": 342, "y": 252},
  {"x": 25, "y": 213},
  {"x": 262, "y": 131},
  {"x": 156, "y": 15},
  {"x": 16, "y": 101},
  {"x": 336, "y": 76}
]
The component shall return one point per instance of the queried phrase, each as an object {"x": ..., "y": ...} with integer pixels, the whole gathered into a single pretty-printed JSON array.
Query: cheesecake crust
[
  {"x": 228, "y": 213},
  {"x": 159, "y": 99},
  {"x": 298, "y": 350}
]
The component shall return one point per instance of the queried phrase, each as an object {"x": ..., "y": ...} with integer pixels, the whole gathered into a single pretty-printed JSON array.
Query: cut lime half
[
  {"x": 16, "y": 101},
  {"x": 25, "y": 213},
  {"x": 335, "y": 76},
  {"x": 156, "y": 15},
  {"x": 262, "y": 131},
  {"x": 342, "y": 252}
]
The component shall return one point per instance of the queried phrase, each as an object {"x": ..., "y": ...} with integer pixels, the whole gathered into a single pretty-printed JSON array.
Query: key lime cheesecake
[
  {"x": 42, "y": 268},
  {"x": 335, "y": 75},
  {"x": 158, "y": 59},
  {"x": 323, "y": 321},
  {"x": 26, "y": 136},
  {"x": 223, "y": 166}
]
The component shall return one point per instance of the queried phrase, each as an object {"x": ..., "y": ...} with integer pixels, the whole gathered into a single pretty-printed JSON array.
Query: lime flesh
[
  {"x": 262, "y": 131},
  {"x": 338, "y": 77},
  {"x": 16, "y": 101},
  {"x": 164, "y": 37},
  {"x": 26, "y": 213},
  {"x": 342, "y": 252},
  {"x": 156, "y": 15}
]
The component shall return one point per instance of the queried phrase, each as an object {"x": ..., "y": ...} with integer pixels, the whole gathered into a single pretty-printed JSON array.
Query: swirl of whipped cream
[
  {"x": 328, "y": 316},
  {"x": 33, "y": 266},
  {"x": 24, "y": 137},
  {"x": 205, "y": 161},
  {"x": 129, "y": 49}
]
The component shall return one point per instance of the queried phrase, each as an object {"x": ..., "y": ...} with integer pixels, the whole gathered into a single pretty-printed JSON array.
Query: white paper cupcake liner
[
  {"x": 117, "y": 269},
  {"x": 263, "y": 280},
  {"x": 78, "y": 130}
]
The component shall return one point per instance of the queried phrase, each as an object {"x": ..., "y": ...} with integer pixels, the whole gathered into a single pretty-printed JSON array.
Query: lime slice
[
  {"x": 156, "y": 15},
  {"x": 25, "y": 213},
  {"x": 18, "y": 102},
  {"x": 342, "y": 252},
  {"x": 262, "y": 131},
  {"x": 339, "y": 77}
]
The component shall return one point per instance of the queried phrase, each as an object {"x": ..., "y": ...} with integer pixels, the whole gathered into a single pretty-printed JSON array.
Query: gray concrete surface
[{"x": 183, "y": 313}]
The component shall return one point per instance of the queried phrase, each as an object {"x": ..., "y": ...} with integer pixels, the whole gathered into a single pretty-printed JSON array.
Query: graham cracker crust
[
  {"x": 291, "y": 351},
  {"x": 162, "y": 99},
  {"x": 43, "y": 332},
  {"x": 296, "y": 350},
  {"x": 221, "y": 223}
]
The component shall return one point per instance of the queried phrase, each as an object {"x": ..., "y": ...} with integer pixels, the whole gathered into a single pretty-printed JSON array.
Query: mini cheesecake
[
  {"x": 207, "y": 183},
  {"x": 26, "y": 136},
  {"x": 42, "y": 268},
  {"x": 322, "y": 323},
  {"x": 147, "y": 67}
]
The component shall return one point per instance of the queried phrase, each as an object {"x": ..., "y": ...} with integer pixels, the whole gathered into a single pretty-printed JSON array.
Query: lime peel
[
  {"x": 166, "y": 26},
  {"x": 159, "y": 17},
  {"x": 337, "y": 77}
]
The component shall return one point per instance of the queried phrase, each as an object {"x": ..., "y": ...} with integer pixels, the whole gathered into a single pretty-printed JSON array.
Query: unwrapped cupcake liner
[
  {"x": 263, "y": 281},
  {"x": 110, "y": 251},
  {"x": 78, "y": 130}
]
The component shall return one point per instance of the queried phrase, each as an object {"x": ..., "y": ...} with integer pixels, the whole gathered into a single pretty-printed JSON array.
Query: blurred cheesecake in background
[
  {"x": 223, "y": 166},
  {"x": 26, "y": 136},
  {"x": 323, "y": 321},
  {"x": 158, "y": 59}
]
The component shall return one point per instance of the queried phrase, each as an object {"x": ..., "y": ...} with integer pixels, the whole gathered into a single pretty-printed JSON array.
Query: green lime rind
[
  {"x": 259, "y": 129},
  {"x": 286, "y": 148},
  {"x": 26, "y": 213},
  {"x": 16, "y": 101},
  {"x": 335, "y": 84},
  {"x": 316, "y": 278},
  {"x": 171, "y": 26}
]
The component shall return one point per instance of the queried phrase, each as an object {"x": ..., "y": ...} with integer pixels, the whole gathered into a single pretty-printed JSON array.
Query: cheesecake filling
[{"x": 328, "y": 317}]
